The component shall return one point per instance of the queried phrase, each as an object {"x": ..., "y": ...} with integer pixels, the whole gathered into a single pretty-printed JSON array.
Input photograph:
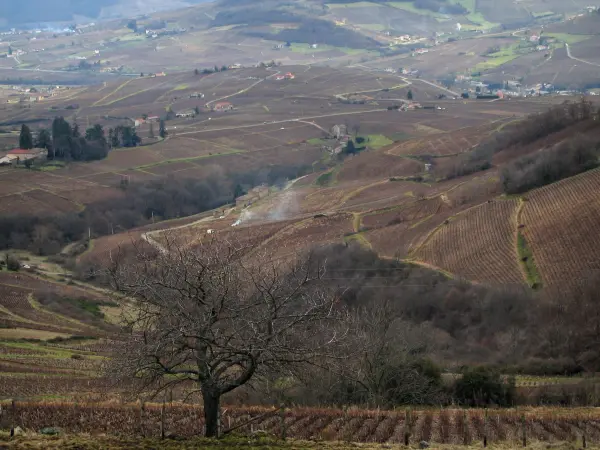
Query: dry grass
[{"x": 25, "y": 333}]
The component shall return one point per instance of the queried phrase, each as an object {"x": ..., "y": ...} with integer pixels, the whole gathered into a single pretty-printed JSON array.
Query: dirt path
[{"x": 578, "y": 59}]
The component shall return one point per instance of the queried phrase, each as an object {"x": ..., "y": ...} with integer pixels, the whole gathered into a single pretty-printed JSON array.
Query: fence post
[
  {"x": 485, "y": 428},
  {"x": 141, "y": 418},
  {"x": 13, "y": 417},
  {"x": 407, "y": 426},
  {"x": 282, "y": 422},
  {"x": 162, "y": 419},
  {"x": 524, "y": 426}
]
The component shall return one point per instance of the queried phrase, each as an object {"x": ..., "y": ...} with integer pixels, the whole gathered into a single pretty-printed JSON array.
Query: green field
[
  {"x": 376, "y": 141},
  {"x": 492, "y": 63}
]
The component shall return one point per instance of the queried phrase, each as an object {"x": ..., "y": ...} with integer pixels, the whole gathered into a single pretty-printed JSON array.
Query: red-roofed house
[
  {"x": 20, "y": 155},
  {"x": 222, "y": 106}
]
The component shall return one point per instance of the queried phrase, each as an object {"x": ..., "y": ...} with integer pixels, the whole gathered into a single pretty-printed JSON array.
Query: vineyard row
[{"x": 445, "y": 426}]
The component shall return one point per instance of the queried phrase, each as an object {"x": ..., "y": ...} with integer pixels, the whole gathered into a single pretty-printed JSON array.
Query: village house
[
  {"x": 19, "y": 155},
  {"x": 139, "y": 121},
  {"x": 339, "y": 131},
  {"x": 222, "y": 107},
  {"x": 185, "y": 114}
]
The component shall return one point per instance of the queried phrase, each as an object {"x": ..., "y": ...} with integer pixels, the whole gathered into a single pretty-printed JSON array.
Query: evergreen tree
[
  {"x": 25, "y": 139},
  {"x": 10, "y": 50},
  {"x": 196, "y": 72},
  {"x": 239, "y": 191},
  {"x": 151, "y": 132},
  {"x": 350, "y": 147},
  {"x": 43, "y": 140},
  {"x": 409, "y": 95},
  {"x": 197, "y": 110},
  {"x": 75, "y": 131},
  {"x": 162, "y": 129}
]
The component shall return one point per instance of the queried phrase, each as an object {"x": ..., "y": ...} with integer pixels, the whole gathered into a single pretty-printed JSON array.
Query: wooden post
[
  {"x": 13, "y": 417},
  {"x": 407, "y": 427},
  {"x": 282, "y": 422},
  {"x": 347, "y": 436},
  {"x": 141, "y": 418},
  {"x": 524, "y": 427},
  {"x": 464, "y": 421},
  {"x": 485, "y": 428},
  {"x": 162, "y": 420}
]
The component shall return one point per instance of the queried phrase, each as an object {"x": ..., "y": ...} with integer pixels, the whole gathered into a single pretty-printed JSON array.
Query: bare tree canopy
[{"x": 219, "y": 317}]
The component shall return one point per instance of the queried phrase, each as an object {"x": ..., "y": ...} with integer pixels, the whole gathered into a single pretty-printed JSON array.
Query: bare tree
[
  {"x": 387, "y": 372},
  {"x": 217, "y": 317}
]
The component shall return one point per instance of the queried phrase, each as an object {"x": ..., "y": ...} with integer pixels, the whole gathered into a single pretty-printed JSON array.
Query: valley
[{"x": 440, "y": 161}]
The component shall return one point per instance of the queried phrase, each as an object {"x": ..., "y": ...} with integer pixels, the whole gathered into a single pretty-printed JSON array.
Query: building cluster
[{"x": 154, "y": 34}]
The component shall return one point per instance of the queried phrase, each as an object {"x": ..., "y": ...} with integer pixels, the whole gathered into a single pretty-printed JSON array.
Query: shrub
[
  {"x": 482, "y": 386},
  {"x": 12, "y": 263}
]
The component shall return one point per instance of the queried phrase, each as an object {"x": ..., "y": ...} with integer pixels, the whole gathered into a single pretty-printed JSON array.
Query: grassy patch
[
  {"x": 410, "y": 7},
  {"x": 325, "y": 179},
  {"x": 27, "y": 333},
  {"x": 568, "y": 38},
  {"x": 319, "y": 142},
  {"x": 526, "y": 257},
  {"x": 376, "y": 141},
  {"x": 233, "y": 151},
  {"x": 49, "y": 166},
  {"x": 492, "y": 63}
]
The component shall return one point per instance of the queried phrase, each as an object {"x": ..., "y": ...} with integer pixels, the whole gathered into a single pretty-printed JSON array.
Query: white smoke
[
  {"x": 285, "y": 207},
  {"x": 246, "y": 216}
]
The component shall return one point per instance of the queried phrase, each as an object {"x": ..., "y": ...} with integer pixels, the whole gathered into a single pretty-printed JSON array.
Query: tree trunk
[{"x": 211, "y": 412}]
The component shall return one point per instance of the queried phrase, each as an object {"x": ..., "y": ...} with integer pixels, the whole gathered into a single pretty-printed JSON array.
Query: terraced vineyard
[
  {"x": 559, "y": 219},
  {"x": 479, "y": 244},
  {"x": 446, "y": 426}
]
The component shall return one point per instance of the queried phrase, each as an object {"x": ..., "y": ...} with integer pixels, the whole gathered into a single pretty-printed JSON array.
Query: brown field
[
  {"x": 558, "y": 219},
  {"x": 478, "y": 245}
]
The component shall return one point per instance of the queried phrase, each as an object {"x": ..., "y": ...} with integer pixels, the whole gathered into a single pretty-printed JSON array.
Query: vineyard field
[
  {"x": 479, "y": 244},
  {"x": 557, "y": 219},
  {"x": 446, "y": 426}
]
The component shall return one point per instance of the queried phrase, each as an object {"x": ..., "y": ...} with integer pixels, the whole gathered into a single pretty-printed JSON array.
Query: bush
[
  {"x": 12, "y": 263},
  {"x": 482, "y": 386}
]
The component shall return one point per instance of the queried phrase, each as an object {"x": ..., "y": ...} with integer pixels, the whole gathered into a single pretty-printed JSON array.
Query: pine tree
[
  {"x": 409, "y": 96},
  {"x": 43, "y": 140},
  {"x": 25, "y": 139},
  {"x": 76, "y": 132},
  {"x": 162, "y": 129},
  {"x": 151, "y": 132}
]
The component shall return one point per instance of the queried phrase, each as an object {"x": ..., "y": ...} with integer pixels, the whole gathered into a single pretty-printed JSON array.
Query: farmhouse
[
  {"x": 139, "y": 121},
  {"x": 19, "y": 155},
  {"x": 222, "y": 106},
  {"x": 185, "y": 114}
]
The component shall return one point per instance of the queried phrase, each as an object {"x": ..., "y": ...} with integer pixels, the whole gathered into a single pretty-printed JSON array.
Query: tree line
[
  {"x": 523, "y": 133},
  {"x": 138, "y": 204},
  {"x": 65, "y": 141}
]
